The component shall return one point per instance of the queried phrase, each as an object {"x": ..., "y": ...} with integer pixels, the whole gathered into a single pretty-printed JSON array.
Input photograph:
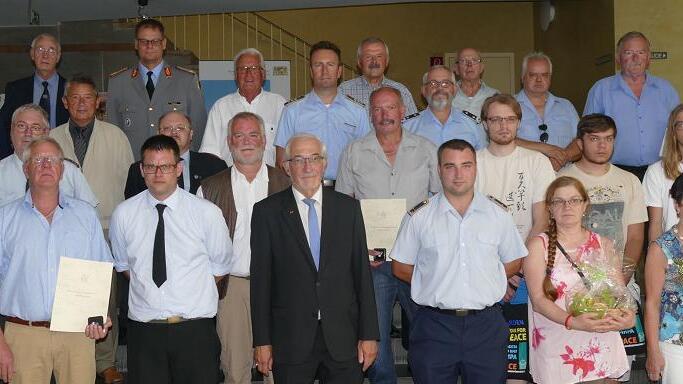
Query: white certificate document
[
  {"x": 83, "y": 289},
  {"x": 382, "y": 219}
]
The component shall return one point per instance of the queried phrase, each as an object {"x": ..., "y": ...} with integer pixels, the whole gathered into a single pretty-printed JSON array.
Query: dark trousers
[
  {"x": 173, "y": 353},
  {"x": 329, "y": 371},
  {"x": 637, "y": 171},
  {"x": 444, "y": 346}
]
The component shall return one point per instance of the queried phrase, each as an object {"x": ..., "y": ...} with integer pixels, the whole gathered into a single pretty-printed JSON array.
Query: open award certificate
[
  {"x": 83, "y": 289},
  {"x": 382, "y": 219}
]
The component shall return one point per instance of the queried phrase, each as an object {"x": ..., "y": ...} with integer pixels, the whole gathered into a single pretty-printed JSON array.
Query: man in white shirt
[
  {"x": 250, "y": 97},
  {"x": 235, "y": 191},
  {"x": 174, "y": 247}
]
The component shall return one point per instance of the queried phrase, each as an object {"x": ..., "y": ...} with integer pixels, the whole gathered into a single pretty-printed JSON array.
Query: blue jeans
[{"x": 387, "y": 288}]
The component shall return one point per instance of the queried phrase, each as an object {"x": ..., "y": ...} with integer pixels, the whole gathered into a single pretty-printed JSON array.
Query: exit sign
[{"x": 659, "y": 55}]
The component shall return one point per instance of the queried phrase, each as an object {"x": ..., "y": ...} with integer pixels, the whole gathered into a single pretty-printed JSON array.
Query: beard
[
  {"x": 238, "y": 158},
  {"x": 439, "y": 103}
]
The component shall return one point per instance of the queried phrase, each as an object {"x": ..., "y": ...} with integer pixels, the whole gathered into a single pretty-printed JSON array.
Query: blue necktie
[{"x": 313, "y": 232}]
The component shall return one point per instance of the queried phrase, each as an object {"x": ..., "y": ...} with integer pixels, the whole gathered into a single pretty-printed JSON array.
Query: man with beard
[
  {"x": 389, "y": 163},
  {"x": 373, "y": 61},
  {"x": 235, "y": 191},
  {"x": 472, "y": 91},
  {"x": 618, "y": 210},
  {"x": 517, "y": 178},
  {"x": 638, "y": 102},
  {"x": 441, "y": 122}
]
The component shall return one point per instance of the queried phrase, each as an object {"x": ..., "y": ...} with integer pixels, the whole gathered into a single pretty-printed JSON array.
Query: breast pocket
[{"x": 175, "y": 106}]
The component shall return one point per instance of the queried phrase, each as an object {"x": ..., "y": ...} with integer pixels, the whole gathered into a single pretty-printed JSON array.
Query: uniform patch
[
  {"x": 419, "y": 206},
  {"x": 414, "y": 115},
  {"x": 134, "y": 74},
  {"x": 498, "y": 202},
  {"x": 168, "y": 72},
  {"x": 355, "y": 101},
  {"x": 471, "y": 116},
  {"x": 294, "y": 100},
  {"x": 118, "y": 72}
]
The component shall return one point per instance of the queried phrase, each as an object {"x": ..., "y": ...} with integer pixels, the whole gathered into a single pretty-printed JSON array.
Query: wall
[{"x": 660, "y": 21}]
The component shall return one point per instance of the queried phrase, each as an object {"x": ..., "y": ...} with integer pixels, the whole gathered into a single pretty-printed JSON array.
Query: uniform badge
[
  {"x": 127, "y": 122},
  {"x": 167, "y": 71},
  {"x": 134, "y": 74}
]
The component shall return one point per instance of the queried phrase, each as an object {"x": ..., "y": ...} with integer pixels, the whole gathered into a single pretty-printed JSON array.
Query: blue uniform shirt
[
  {"x": 560, "y": 116},
  {"x": 458, "y": 126},
  {"x": 641, "y": 122},
  {"x": 52, "y": 88},
  {"x": 30, "y": 249},
  {"x": 458, "y": 260},
  {"x": 336, "y": 125}
]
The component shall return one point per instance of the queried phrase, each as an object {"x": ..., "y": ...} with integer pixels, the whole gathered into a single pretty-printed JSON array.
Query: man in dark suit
[
  {"x": 45, "y": 88},
  {"x": 312, "y": 298},
  {"x": 234, "y": 191},
  {"x": 196, "y": 165}
]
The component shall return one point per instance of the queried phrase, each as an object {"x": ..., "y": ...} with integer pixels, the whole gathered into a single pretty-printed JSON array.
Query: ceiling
[{"x": 54, "y": 11}]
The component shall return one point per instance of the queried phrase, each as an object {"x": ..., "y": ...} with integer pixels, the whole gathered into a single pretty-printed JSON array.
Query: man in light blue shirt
[
  {"x": 324, "y": 112},
  {"x": 35, "y": 232},
  {"x": 441, "y": 122},
  {"x": 457, "y": 250},
  {"x": 638, "y": 102},
  {"x": 548, "y": 122}
]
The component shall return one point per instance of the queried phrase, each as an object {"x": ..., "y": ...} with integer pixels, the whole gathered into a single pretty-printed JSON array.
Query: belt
[
  {"x": 328, "y": 183},
  {"x": 462, "y": 312},
  {"x": 16, "y": 320},
  {"x": 170, "y": 320}
]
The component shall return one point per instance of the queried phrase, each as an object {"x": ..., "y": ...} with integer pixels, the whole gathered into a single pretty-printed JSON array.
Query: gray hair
[
  {"x": 438, "y": 66},
  {"x": 247, "y": 116},
  {"x": 535, "y": 56},
  {"x": 189, "y": 121},
  {"x": 371, "y": 40},
  {"x": 387, "y": 88},
  {"x": 26, "y": 155},
  {"x": 631, "y": 35},
  {"x": 304, "y": 135},
  {"x": 250, "y": 52},
  {"x": 46, "y": 36},
  {"x": 31, "y": 108}
]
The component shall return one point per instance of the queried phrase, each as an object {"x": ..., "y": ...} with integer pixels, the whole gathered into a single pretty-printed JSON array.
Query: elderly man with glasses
[{"x": 472, "y": 91}]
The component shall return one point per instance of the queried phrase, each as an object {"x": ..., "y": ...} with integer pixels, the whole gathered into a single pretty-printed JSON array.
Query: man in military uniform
[
  {"x": 325, "y": 112},
  {"x": 139, "y": 95}
]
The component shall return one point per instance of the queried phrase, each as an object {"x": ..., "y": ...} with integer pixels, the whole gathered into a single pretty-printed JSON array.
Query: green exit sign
[{"x": 659, "y": 55}]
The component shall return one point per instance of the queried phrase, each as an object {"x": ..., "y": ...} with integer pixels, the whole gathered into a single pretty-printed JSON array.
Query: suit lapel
[
  {"x": 194, "y": 177},
  {"x": 293, "y": 220},
  {"x": 327, "y": 225}
]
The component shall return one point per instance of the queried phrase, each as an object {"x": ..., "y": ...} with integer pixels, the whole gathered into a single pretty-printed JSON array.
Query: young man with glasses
[
  {"x": 517, "y": 178},
  {"x": 548, "y": 122},
  {"x": 617, "y": 198},
  {"x": 441, "y": 122},
  {"x": 44, "y": 88},
  {"x": 140, "y": 94}
]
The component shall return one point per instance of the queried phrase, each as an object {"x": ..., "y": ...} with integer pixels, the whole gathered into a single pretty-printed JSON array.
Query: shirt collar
[
  {"x": 451, "y": 116},
  {"x": 85, "y": 131},
  {"x": 261, "y": 175},
  {"x": 621, "y": 83},
  {"x": 53, "y": 81},
  {"x": 315, "y": 99},
  {"x": 366, "y": 83},
  {"x": 524, "y": 98},
  {"x": 244, "y": 99},
  {"x": 186, "y": 155},
  {"x": 155, "y": 71},
  {"x": 172, "y": 201},
  {"x": 63, "y": 200},
  {"x": 477, "y": 204},
  {"x": 317, "y": 196}
]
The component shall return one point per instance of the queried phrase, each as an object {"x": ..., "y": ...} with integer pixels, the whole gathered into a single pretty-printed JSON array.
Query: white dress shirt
[
  {"x": 266, "y": 104},
  {"x": 303, "y": 209},
  {"x": 197, "y": 246}
]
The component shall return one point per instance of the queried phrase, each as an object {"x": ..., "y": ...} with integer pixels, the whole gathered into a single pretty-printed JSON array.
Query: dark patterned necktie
[
  {"x": 45, "y": 100},
  {"x": 150, "y": 84}
]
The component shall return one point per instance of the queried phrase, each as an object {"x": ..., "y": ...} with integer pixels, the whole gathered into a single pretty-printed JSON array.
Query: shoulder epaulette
[
  {"x": 297, "y": 99},
  {"x": 416, "y": 114},
  {"x": 118, "y": 72},
  {"x": 497, "y": 202},
  {"x": 471, "y": 116},
  {"x": 354, "y": 100},
  {"x": 186, "y": 70},
  {"x": 72, "y": 162},
  {"x": 419, "y": 206}
]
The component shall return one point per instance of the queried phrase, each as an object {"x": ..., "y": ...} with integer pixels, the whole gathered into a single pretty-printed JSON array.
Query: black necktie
[
  {"x": 159, "y": 253},
  {"x": 150, "y": 84},
  {"x": 45, "y": 100}
]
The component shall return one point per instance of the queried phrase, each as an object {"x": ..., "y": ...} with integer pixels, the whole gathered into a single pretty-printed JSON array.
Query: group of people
[{"x": 241, "y": 236}]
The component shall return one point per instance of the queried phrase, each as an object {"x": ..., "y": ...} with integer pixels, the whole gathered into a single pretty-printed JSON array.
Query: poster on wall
[{"x": 217, "y": 79}]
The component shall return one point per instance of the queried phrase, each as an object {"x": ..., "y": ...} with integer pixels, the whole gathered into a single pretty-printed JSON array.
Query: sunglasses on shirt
[{"x": 544, "y": 133}]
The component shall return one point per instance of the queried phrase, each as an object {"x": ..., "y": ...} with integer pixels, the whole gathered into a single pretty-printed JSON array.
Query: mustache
[{"x": 373, "y": 65}]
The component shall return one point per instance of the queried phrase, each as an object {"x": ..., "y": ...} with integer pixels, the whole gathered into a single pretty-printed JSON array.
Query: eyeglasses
[
  {"x": 497, "y": 120},
  {"x": 49, "y": 161},
  {"x": 437, "y": 84},
  {"x": 559, "y": 203},
  {"x": 544, "y": 133},
  {"x": 23, "y": 127},
  {"x": 249, "y": 68},
  {"x": 46, "y": 51},
  {"x": 171, "y": 130},
  {"x": 150, "y": 169},
  {"x": 299, "y": 161},
  {"x": 150, "y": 43},
  {"x": 468, "y": 62}
]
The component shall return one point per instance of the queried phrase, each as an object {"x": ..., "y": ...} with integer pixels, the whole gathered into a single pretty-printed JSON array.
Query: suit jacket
[
  {"x": 201, "y": 165},
  {"x": 286, "y": 290},
  {"x": 218, "y": 190},
  {"x": 18, "y": 93},
  {"x": 129, "y": 106}
]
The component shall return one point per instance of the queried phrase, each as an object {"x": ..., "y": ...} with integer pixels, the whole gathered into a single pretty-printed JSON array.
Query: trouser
[
  {"x": 183, "y": 352},
  {"x": 105, "y": 349},
  {"x": 329, "y": 371},
  {"x": 387, "y": 288},
  {"x": 39, "y": 352},
  {"x": 444, "y": 346},
  {"x": 234, "y": 331}
]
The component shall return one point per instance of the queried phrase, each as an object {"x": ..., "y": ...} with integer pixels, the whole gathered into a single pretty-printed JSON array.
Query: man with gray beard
[{"x": 441, "y": 122}]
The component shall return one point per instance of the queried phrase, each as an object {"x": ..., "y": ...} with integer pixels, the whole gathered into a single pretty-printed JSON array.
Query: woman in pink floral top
[{"x": 564, "y": 348}]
